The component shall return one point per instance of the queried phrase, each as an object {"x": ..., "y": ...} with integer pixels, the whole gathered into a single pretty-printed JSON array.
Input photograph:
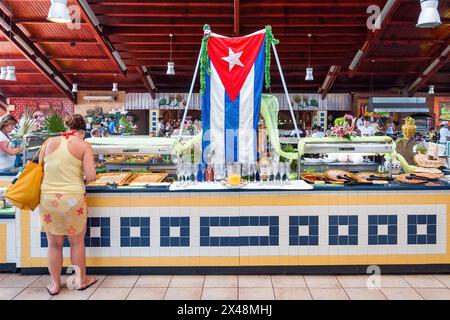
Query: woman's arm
[
  {"x": 89, "y": 164},
  {"x": 5, "y": 147}
]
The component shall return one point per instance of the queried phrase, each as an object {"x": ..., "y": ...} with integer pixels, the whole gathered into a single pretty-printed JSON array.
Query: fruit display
[{"x": 409, "y": 128}]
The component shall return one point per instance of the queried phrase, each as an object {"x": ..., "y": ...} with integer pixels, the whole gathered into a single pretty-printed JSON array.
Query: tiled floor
[{"x": 233, "y": 287}]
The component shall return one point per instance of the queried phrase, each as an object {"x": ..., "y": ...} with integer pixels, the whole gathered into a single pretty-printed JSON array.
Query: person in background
[
  {"x": 444, "y": 133},
  {"x": 95, "y": 133},
  {"x": 367, "y": 129},
  {"x": 317, "y": 132},
  {"x": 8, "y": 152},
  {"x": 162, "y": 127},
  {"x": 68, "y": 165},
  {"x": 360, "y": 122},
  {"x": 112, "y": 126},
  {"x": 390, "y": 128}
]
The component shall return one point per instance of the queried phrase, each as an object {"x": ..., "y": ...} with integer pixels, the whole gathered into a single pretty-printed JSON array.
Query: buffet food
[
  {"x": 143, "y": 179},
  {"x": 412, "y": 178},
  {"x": 313, "y": 177},
  {"x": 371, "y": 177},
  {"x": 119, "y": 179},
  {"x": 339, "y": 175},
  {"x": 423, "y": 160}
]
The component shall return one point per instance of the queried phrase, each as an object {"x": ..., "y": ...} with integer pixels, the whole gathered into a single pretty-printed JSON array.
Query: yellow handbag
[{"x": 25, "y": 190}]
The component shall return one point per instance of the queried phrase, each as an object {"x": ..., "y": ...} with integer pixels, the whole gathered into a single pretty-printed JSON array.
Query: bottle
[{"x": 209, "y": 171}]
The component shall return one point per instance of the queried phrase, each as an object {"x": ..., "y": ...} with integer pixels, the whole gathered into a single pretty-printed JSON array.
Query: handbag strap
[{"x": 38, "y": 151}]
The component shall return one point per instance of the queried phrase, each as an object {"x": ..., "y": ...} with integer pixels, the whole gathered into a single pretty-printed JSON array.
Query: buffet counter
[{"x": 329, "y": 229}]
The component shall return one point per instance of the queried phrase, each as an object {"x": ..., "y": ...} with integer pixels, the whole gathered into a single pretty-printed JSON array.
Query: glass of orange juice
[{"x": 234, "y": 173}]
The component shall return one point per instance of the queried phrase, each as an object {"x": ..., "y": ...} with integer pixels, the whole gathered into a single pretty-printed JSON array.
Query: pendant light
[
  {"x": 115, "y": 87},
  {"x": 3, "y": 73},
  {"x": 10, "y": 70},
  {"x": 59, "y": 12},
  {"x": 429, "y": 16},
  {"x": 309, "y": 70},
  {"x": 431, "y": 90},
  {"x": 170, "y": 64},
  {"x": 74, "y": 88}
]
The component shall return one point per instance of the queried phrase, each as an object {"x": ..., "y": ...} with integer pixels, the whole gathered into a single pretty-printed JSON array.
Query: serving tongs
[
  {"x": 378, "y": 178},
  {"x": 346, "y": 178},
  {"x": 111, "y": 185}
]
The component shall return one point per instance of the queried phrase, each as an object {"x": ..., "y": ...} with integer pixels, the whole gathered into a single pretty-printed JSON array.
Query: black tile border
[{"x": 258, "y": 270}]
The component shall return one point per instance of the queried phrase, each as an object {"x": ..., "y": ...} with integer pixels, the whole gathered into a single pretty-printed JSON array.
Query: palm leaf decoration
[
  {"x": 26, "y": 126},
  {"x": 54, "y": 123}
]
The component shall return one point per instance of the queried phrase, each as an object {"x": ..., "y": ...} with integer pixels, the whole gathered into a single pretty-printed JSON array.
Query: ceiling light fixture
[
  {"x": 3, "y": 73},
  {"x": 74, "y": 88},
  {"x": 429, "y": 16},
  {"x": 309, "y": 70},
  {"x": 59, "y": 12},
  {"x": 170, "y": 64},
  {"x": 115, "y": 87},
  {"x": 10, "y": 70},
  {"x": 431, "y": 90}
]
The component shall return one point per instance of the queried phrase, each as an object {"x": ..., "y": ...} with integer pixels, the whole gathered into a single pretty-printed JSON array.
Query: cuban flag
[{"x": 232, "y": 97}]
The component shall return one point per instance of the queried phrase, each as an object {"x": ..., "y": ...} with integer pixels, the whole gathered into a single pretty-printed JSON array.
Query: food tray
[
  {"x": 118, "y": 178},
  {"x": 142, "y": 179}
]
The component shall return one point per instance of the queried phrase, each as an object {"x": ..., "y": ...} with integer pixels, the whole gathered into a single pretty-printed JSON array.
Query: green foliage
[
  {"x": 53, "y": 123},
  {"x": 25, "y": 126},
  {"x": 126, "y": 126}
]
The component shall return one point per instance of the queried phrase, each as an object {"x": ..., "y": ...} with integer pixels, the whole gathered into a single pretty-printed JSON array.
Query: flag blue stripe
[
  {"x": 258, "y": 85},
  {"x": 206, "y": 116},
  {"x": 231, "y": 128}
]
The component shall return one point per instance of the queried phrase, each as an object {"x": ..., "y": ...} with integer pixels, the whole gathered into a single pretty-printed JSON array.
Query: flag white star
[{"x": 233, "y": 59}]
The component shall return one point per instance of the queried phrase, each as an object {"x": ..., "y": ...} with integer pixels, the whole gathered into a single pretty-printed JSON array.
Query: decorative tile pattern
[
  {"x": 168, "y": 236},
  {"x": 98, "y": 233},
  {"x": 134, "y": 232},
  {"x": 240, "y": 236},
  {"x": 382, "y": 229},
  {"x": 421, "y": 229},
  {"x": 303, "y": 230},
  {"x": 343, "y": 230},
  {"x": 44, "y": 241}
]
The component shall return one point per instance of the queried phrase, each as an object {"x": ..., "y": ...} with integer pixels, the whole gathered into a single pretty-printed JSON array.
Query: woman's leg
[
  {"x": 78, "y": 256},
  {"x": 55, "y": 260}
]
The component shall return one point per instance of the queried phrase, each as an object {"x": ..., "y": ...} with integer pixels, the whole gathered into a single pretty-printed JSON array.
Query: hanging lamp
[
  {"x": 170, "y": 64},
  {"x": 10, "y": 70},
  {"x": 309, "y": 70},
  {"x": 59, "y": 12},
  {"x": 429, "y": 16},
  {"x": 115, "y": 87}
]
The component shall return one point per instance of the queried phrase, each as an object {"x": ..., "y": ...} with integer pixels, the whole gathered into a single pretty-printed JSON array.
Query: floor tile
[
  {"x": 153, "y": 282},
  {"x": 328, "y": 294},
  {"x": 292, "y": 294},
  {"x": 219, "y": 294},
  {"x": 9, "y": 293},
  {"x": 187, "y": 281},
  {"x": 364, "y": 294},
  {"x": 43, "y": 281},
  {"x": 434, "y": 293},
  {"x": 288, "y": 281},
  {"x": 147, "y": 294},
  {"x": 256, "y": 294},
  {"x": 356, "y": 281},
  {"x": 322, "y": 282},
  {"x": 444, "y": 278},
  {"x": 221, "y": 281},
  {"x": 423, "y": 281},
  {"x": 110, "y": 294},
  {"x": 393, "y": 281},
  {"x": 18, "y": 281},
  {"x": 4, "y": 275},
  {"x": 255, "y": 282},
  {"x": 119, "y": 282},
  {"x": 33, "y": 294},
  {"x": 72, "y": 294},
  {"x": 401, "y": 294},
  {"x": 183, "y": 294}
]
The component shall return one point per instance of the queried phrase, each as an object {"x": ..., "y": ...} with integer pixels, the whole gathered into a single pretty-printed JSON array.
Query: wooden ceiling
[{"x": 393, "y": 58}]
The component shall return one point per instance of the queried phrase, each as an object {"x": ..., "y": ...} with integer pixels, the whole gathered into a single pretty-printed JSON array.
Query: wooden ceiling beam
[
  {"x": 329, "y": 80},
  {"x": 34, "y": 55},
  {"x": 63, "y": 41},
  {"x": 438, "y": 62},
  {"x": 146, "y": 78},
  {"x": 373, "y": 35},
  {"x": 101, "y": 37},
  {"x": 236, "y": 18}
]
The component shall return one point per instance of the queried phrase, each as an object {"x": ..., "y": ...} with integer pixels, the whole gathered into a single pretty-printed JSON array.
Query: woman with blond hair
[
  {"x": 8, "y": 152},
  {"x": 68, "y": 165}
]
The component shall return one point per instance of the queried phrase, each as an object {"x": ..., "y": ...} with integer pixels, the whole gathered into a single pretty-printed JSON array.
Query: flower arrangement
[{"x": 344, "y": 127}]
